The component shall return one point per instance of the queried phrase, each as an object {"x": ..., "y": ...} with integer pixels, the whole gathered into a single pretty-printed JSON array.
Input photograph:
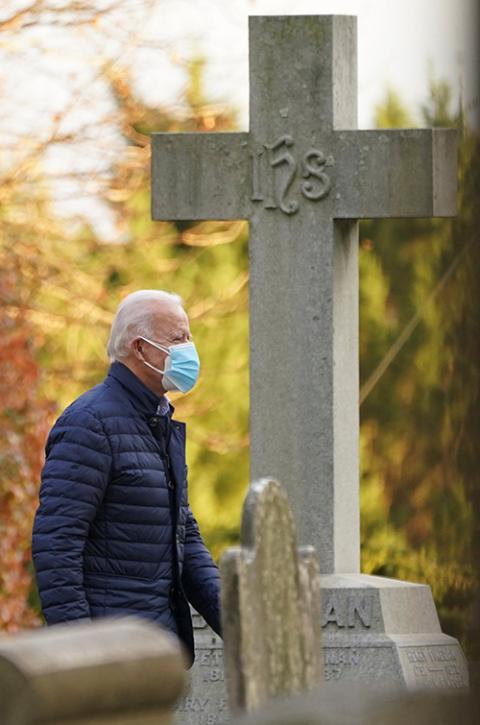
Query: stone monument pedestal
[
  {"x": 205, "y": 699},
  {"x": 375, "y": 631},
  {"x": 384, "y": 631}
]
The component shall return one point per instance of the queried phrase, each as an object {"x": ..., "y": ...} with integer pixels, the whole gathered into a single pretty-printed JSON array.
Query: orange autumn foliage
[{"x": 24, "y": 421}]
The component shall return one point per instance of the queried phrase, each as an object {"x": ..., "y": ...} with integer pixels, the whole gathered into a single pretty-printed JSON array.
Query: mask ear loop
[
  {"x": 157, "y": 370},
  {"x": 159, "y": 347},
  {"x": 156, "y": 344}
]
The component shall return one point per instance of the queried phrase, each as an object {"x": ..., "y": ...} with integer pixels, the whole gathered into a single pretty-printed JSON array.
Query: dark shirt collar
[{"x": 144, "y": 399}]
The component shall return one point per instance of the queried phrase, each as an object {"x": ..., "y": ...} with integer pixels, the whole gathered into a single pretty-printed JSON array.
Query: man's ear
[{"x": 137, "y": 347}]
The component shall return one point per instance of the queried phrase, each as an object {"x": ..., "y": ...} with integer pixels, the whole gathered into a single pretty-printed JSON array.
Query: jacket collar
[{"x": 144, "y": 399}]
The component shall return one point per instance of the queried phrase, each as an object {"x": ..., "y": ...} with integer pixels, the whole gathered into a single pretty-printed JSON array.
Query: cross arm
[
  {"x": 396, "y": 173},
  {"x": 200, "y": 176}
]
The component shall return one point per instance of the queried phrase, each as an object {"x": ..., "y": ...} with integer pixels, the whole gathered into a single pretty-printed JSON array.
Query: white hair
[{"x": 135, "y": 319}]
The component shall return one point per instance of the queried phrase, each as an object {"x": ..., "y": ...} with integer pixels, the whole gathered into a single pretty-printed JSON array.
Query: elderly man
[{"x": 114, "y": 533}]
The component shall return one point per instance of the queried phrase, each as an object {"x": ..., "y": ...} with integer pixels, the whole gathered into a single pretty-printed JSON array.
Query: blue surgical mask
[{"x": 182, "y": 365}]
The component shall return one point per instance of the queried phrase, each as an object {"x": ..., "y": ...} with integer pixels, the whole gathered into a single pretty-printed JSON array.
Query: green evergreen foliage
[{"x": 419, "y": 484}]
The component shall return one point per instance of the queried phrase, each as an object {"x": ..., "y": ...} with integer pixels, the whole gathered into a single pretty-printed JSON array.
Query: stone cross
[
  {"x": 270, "y": 605},
  {"x": 302, "y": 176}
]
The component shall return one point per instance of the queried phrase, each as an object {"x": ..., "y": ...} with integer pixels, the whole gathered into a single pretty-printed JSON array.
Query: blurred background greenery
[{"x": 419, "y": 349}]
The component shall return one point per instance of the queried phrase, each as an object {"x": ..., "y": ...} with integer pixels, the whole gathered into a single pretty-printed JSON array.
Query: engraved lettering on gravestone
[
  {"x": 342, "y": 613},
  {"x": 317, "y": 182},
  {"x": 201, "y": 706},
  {"x": 333, "y": 672},
  {"x": 193, "y": 704},
  {"x": 441, "y": 654},
  {"x": 436, "y": 667},
  {"x": 211, "y": 666},
  {"x": 346, "y": 655},
  {"x": 330, "y": 614},
  {"x": 452, "y": 670},
  {"x": 336, "y": 660},
  {"x": 419, "y": 670},
  {"x": 211, "y": 658},
  {"x": 213, "y": 676},
  {"x": 416, "y": 655},
  {"x": 362, "y": 607}
]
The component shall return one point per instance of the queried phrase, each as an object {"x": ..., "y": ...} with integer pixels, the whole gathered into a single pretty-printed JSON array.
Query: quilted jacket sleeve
[
  {"x": 201, "y": 578},
  {"x": 74, "y": 479}
]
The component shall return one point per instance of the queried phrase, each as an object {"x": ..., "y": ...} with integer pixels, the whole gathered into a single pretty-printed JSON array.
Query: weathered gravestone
[
  {"x": 303, "y": 175},
  {"x": 109, "y": 672},
  {"x": 270, "y": 605}
]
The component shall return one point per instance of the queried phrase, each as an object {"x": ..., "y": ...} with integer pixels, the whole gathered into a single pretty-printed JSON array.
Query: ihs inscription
[{"x": 275, "y": 169}]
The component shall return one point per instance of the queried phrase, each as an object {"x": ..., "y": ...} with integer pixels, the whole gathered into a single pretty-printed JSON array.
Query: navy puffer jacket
[{"x": 114, "y": 533}]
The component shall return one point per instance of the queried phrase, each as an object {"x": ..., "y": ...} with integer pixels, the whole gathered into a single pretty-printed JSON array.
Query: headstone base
[
  {"x": 376, "y": 631},
  {"x": 385, "y": 631},
  {"x": 205, "y": 700}
]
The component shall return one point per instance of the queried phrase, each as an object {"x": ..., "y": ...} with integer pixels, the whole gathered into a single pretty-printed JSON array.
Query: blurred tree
[
  {"x": 420, "y": 311},
  {"x": 206, "y": 263},
  {"x": 69, "y": 284},
  {"x": 392, "y": 113}
]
